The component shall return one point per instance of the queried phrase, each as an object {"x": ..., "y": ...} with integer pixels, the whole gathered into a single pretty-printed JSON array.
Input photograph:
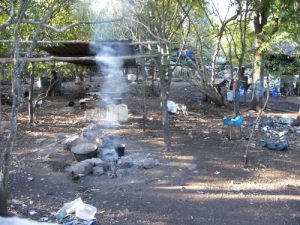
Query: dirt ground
[{"x": 202, "y": 181}]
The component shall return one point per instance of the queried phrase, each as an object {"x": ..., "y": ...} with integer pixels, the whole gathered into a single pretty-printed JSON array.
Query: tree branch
[
  {"x": 71, "y": 26},
  {"x": 11, "y": 16}
]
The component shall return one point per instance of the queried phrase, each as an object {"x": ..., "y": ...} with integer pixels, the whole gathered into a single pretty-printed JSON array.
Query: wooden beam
[
  {"x": 77, "y": 59},
  {"x": 82, "y": 42}
]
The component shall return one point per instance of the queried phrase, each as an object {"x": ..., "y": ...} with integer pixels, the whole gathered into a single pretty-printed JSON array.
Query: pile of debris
[{"x": 277, "y": 129}]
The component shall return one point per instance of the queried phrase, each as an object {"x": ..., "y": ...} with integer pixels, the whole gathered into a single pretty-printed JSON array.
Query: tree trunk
[
  {"x": 260, "y": 19},
  {"x": 6, "y": 155},
  {"x": 30, "y": 97},
  {"x": 3, "y": 198},
  {"x": 165, "y": 116},
  {"x": 258, "y": 78},
  {"x": 165, "y": 81}
]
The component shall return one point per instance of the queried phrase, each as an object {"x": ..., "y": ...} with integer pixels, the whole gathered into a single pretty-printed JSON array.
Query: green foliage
[{"x": 280, "y": 64}]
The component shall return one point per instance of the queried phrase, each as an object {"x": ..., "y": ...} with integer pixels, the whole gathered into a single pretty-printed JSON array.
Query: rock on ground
[
  {"x": 81, "y": 168},
  {"x": 148, "y": 163},
  {"x": 98, "y": 171},
  {"x": 96, "y": 161}
]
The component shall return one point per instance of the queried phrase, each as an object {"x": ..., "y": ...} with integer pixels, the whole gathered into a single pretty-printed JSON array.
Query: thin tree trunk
[
  {"x": 30, "y": 97},
  {"x": 214, "y": 59},
  {"x": 165, "y": 116},
  {"x": 165, "y": 83},
  {"x": 144, "y": 89},
  {"x": 6, "y": 155},
  {"x": 3, "y": 194}
]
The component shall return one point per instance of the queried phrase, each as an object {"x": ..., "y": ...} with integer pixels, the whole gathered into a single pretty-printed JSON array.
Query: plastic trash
[
  {"x": 286, "y": 119},
  {"x": 85, "y": 212},
  {"x": 172, "y": 107},
  {"x": 77, "y": 222},
  {"x": 233, "y": 121},
  {"x": 230, "y": 96},
  {"x": 67, "y": 209},
  {"x": 275, "y": 146},
  {"x": 82, "y": 212}
]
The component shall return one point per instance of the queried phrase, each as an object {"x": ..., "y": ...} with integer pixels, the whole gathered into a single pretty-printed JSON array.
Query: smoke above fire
[{"x": 106, "y": 48}]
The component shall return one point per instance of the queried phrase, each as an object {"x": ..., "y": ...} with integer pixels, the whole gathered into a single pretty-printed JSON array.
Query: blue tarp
[{"x": 233, "y": 121}]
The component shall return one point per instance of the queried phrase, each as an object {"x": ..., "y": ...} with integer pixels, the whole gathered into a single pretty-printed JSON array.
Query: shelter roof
[{"x": 92, "y": 48}]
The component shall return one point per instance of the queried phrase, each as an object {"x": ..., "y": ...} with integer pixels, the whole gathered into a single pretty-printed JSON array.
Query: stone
[
  {"x": 125, "y": 162},
  {"x": 148, "y": 163},
  {"x": 98, "y": 171},
  {"x": 81, "y": 168},
  {"x": 96, "y": 161}
]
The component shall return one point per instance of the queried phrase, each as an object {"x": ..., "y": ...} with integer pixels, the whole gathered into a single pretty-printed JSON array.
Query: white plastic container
[
  {"x": 112, "y": 113},
  {"x": 122, "y": 112},
  {"x": 117, "y": 113}
]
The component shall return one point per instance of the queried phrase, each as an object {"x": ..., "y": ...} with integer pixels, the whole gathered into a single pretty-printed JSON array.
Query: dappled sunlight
[
  {"x": 202, "y": 193},
  {"x": 44, "y": 134},
  {"x": 236, "y": 185}
]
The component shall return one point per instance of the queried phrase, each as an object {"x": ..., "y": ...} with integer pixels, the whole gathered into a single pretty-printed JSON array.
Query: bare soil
[{"x": 202, "y": 181}]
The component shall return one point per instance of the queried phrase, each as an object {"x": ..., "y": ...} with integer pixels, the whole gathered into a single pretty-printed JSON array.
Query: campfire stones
[
  {"x": 98, "y": 171},
  {"x": 125, "y": 163},
  {"x": 81, "y": 168},
  {"x": 96, "y": 162},
  {"x": 87, "y": 166}
]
